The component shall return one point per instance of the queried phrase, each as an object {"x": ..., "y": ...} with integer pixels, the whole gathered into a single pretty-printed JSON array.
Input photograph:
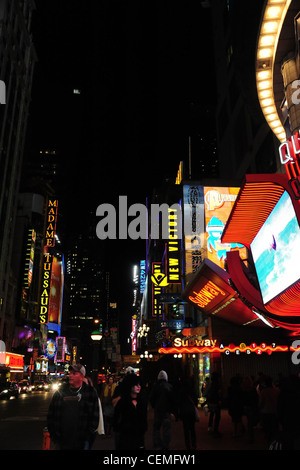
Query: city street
[{"x": 22, "y": 421}]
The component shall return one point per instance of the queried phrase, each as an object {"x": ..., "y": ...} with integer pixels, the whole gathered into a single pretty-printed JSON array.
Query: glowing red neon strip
[{"x": 193, "y": 350}]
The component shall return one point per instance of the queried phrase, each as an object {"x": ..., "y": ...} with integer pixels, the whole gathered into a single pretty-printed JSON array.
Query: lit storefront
[{"x": 12, "y": 367}]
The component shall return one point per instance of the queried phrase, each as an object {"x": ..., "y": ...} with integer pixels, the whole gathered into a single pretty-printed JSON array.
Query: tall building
[
  {"x": 17, "y": 60},
  {"x": 244, "y": 140},
  {"x": 86, "y": 282}
]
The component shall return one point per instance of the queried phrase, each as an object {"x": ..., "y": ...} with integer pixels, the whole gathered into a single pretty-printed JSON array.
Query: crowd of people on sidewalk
[
  {"x": 77, "y": 413},
  {"x": 274, "y": 405}
]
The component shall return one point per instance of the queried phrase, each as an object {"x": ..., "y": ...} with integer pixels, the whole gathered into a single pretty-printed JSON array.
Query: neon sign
[
  {"x": 133, "y": 336},
  {"x": 159, "y": 280},
  {"x": 142, "y": 275},
  {"x": 173, "y": 247},
  {"x": 289, "y": 152},
  {"x": 242, "y": 348},
  {"x": 14, "y": 361},
  {"x": 51, "y": 223},
  {"x": 209, "y": 292},
  {"x": 191, "y": 342},
  {"x": 44, "y": 305}
]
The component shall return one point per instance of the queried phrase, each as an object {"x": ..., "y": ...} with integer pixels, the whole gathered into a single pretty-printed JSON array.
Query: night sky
[{"x": 141, "y": 68}]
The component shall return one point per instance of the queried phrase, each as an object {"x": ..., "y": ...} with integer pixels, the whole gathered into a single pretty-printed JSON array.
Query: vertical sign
[
  {"x": 193, "y": 207},
  {"x": 159, "y": 280},
  {"x": 51, "y": 222},
  {"x": 133, "y": 335},
  {"x": 173, "y": 267},
  {"x": 29, "y": 258},
  {"x": 60, "y": 349},
  {"x": 45, "y": 296},
  {"x": 142, "y": 275}
]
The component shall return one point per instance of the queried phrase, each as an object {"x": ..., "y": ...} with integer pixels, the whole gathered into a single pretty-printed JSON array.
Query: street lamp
[
  {"x": 143, "y": 330},
  {"x": 96, "y": 336}
]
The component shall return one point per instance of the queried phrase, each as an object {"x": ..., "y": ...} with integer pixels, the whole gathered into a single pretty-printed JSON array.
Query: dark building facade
[{"x": 17, "y": 62}]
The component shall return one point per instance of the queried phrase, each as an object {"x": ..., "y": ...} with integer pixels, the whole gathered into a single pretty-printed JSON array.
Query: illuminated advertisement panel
[
  {"x": 50, "y": 348},
  {"x": 45, "y": 292},
  {"x": 218, "y": 205},
  {"x": 14, "y": 361},
  {"x": 56, "y": 291},
  {"x": 60, "y": 349},
  {"x": 142, "y": 276},
  {"x": 276, "y": 250},
  {"x": 208, "y": 295},
  {"x": 29, "y": 258},
  {"x": 159, "y": 280},
  {"x": 133, "y": 335},
  {"x": 193, "y": 222}
]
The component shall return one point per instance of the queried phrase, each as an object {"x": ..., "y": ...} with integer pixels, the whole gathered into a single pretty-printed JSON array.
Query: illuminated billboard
[
  {"x": 159, "y": 280},
  {"x": 56, "y": 291},
  {"x": 193, "y": 222},
  {"x": 45, "y": 293},
  {"x": 219, "y": 202},
  {"x": 173, "y": 247},
  {"x": 276, "y": 250}
]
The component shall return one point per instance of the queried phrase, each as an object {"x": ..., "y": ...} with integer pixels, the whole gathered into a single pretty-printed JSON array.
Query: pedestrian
[
  {"x": 130, "y": 417},
  {"x": 250, "y": 405},
  {"x": 235, "y": 405},
  {"x": 187, "y": 404},
  {"x": 118, "y": 389},
  {"x": 107, "y": 404},
  {"x": 100, "y": 429},
  {"x": 117, "y": 395},
  {"x": 213, "y": 396},
  {"x": 268, "y": 402},
  {"x": 162, "y": 400},
  {"x": 73, "y": 415}
]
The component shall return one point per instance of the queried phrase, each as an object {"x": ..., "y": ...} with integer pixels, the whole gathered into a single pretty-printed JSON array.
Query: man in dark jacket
[
  {"x": 162, "y": 400},
  {"x": 73, "y": 414}
]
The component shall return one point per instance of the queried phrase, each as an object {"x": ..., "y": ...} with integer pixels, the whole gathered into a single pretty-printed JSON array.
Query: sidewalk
[{"x": 205, "y": 440}]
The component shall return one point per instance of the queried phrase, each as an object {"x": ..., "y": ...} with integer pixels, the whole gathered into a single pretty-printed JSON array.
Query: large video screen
[{"x": 276, "y": 250}]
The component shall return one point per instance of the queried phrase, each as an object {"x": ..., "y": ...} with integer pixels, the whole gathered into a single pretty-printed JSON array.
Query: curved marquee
[{"x": 258, "y": 196}]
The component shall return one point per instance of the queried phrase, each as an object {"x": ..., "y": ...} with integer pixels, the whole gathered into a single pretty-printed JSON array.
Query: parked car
[
  {"x": 24, "y": 386},
  {"x": 8, "y": 390}
]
